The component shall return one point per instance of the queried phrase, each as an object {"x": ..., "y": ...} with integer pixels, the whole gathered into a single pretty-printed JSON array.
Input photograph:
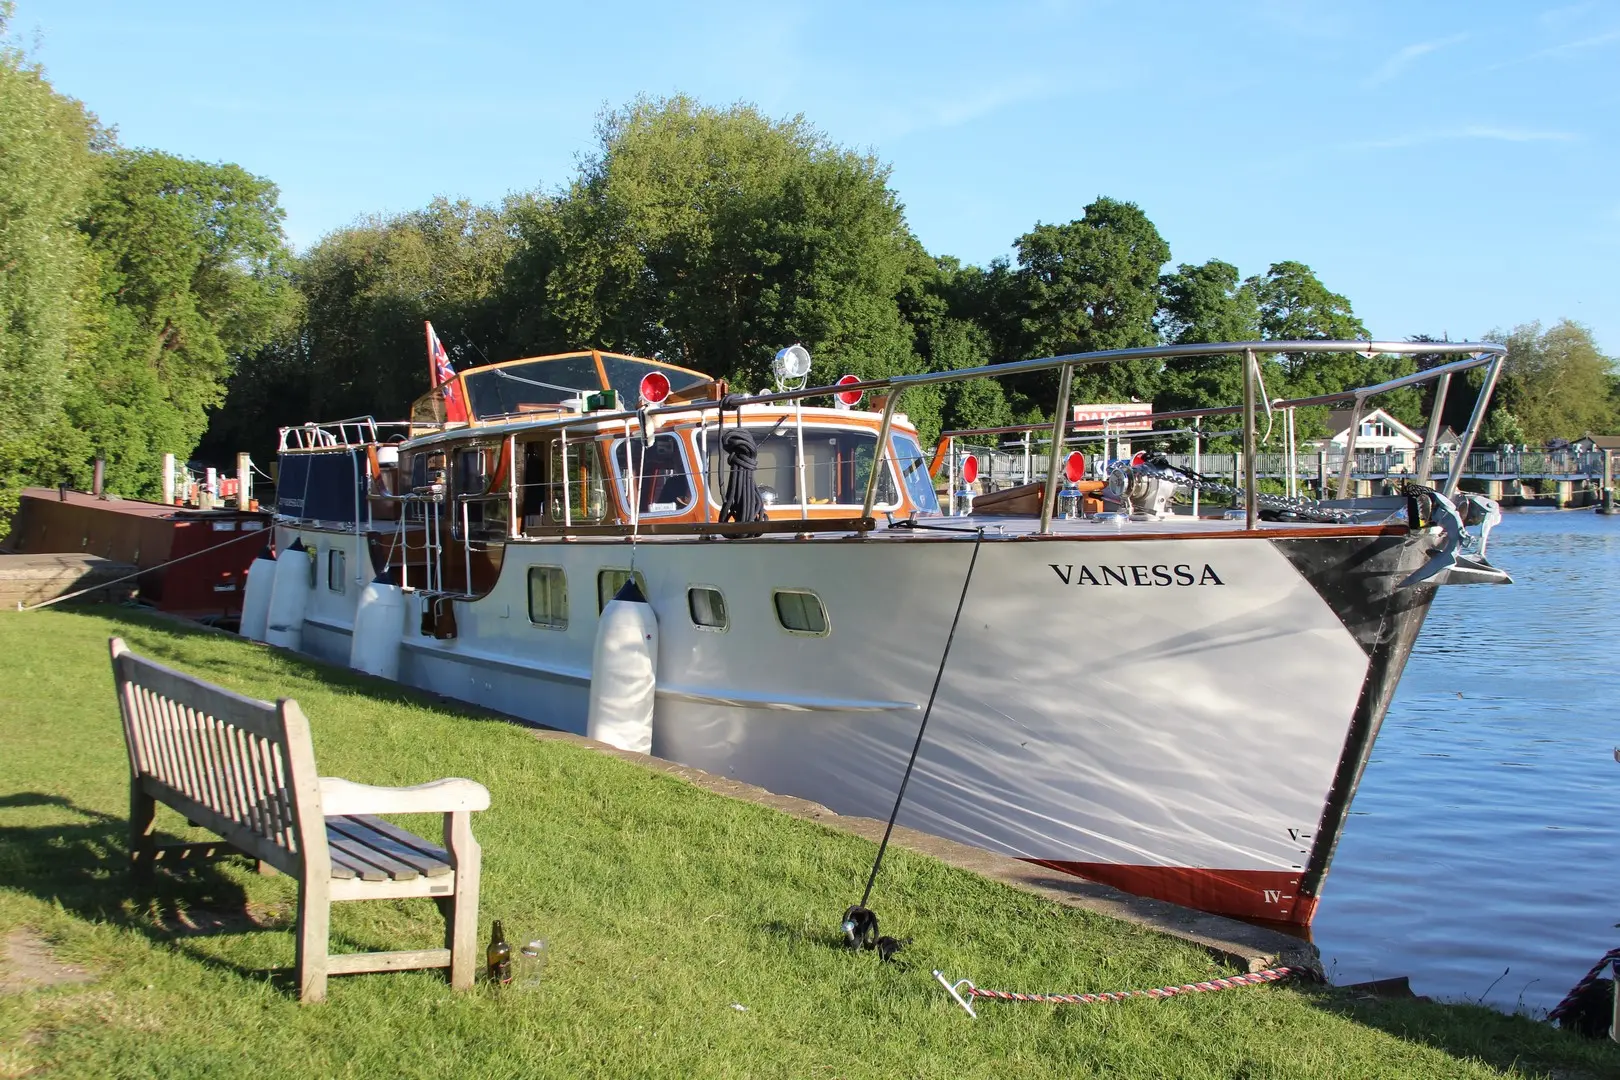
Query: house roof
[
  {"x": 1338, "y": 422},
  {"x": 1605, "y": 442}
]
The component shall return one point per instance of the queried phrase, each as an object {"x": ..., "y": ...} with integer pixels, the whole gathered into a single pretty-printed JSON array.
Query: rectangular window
[
  {"x": 334, "y": 569},
  {"x": 836, "y": 464},
  {"x": 662, "y": 474},
  {"x": 548, "y": 597},
  {"x": 800, "y": 612},
  {"x": 708, "y": 607},
  {"x": 578, "y": 483},
  {"x": 611, "y": 580}
]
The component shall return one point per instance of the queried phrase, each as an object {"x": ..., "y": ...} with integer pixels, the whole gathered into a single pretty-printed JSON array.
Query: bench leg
[
  {"x": 314, "y": 929},
  {"x": 461, "y": 923},
  {"x": 142, "y": 825}
]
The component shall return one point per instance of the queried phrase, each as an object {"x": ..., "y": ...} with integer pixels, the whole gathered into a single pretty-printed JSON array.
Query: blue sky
[{"x": 1450, "y": 167}]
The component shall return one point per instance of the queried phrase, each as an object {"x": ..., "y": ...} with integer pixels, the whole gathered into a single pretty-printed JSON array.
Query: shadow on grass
[
  {"x": 84, "y": 868},
  {"x": 1503, "y": 1041}
]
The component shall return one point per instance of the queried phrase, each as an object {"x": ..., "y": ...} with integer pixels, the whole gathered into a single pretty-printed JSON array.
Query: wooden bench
[{"x": 245, "y": 769}]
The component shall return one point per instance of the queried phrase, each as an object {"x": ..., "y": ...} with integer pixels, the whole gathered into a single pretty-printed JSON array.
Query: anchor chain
[{"x": 1159, "y": 469}]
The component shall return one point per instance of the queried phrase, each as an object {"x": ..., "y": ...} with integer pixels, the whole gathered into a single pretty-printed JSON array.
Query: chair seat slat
[
  {"x": 357, "y": 851},
  {"x": 419, "y": 854}
]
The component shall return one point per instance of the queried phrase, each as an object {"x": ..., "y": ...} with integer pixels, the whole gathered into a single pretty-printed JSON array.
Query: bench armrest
[{"x": 339, "y": 796}]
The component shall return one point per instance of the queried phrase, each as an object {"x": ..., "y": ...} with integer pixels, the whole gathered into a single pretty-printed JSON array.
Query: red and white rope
[
  {"x": 1558, "y": 1010},
  {"x": 966, "y": 987}
]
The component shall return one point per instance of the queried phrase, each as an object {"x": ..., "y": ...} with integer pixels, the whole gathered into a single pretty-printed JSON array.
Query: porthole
[
  {"x": 708, "y": 607},
  {"x": 800, "y": 612},
  {"x": 334, "y": 569},
  {"x": 548, "y": 597},
  {"x": 611, "y": 580}
]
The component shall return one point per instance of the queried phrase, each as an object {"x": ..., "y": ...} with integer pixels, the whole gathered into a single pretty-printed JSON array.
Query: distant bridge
[{"x": 1566, "y": 477}]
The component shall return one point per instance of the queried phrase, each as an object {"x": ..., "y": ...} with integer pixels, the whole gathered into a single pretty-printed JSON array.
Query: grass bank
[{"x": 664, "y": 906}]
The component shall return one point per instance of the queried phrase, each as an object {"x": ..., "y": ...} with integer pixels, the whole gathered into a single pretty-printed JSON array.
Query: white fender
[
  {"x": 261, "y": 579},
  {"x": 624, "y": 672},
  {"x": 289, "y": 595},
  {"x": 378, "y": 620}
]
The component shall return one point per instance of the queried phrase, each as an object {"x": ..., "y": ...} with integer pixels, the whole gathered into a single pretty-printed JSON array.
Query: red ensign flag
[{"x": 443, "y": 374}]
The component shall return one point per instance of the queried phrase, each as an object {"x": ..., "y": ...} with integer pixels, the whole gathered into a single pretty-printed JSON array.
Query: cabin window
[
  {"x": 662, "y": 474},
  {"x": 472, "y": 471},
  {"x": 577, "y": 484},
  {"x": 548, "y": 597},
  {"x": 708, "y": 607},
  {"x": 908, "y": 458},
  {"x": 837, "y": 461},
  {"x": 482, "y": 502},
  {"x": 611, "y": 580},
  {"x": 800, "y": 612},
  {"x": 334, "y": 569}
]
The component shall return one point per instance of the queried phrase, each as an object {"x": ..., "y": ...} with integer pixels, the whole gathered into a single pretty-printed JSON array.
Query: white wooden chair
[{"x": 245, "y": 770}]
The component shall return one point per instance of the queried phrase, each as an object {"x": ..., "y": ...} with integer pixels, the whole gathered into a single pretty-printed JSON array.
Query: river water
[{"x": 1486, "y": 833}]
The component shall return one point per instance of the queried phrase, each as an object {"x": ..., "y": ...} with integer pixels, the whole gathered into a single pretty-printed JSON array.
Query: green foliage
[
  {"x": 1204, "y": 304},
  {"x": 47, "y": 275},
  {"x": 130, "y": 281},
  {"x": 150, "y": 302},
  {"x": 1555, "y": 384},
  {"x": 713, "y": 237},
  {"x": 193, "y": 274},
  {"x": 1089, "y": 285}
]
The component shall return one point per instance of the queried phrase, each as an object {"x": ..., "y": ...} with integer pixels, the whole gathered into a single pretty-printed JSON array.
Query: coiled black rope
[{"x": 742, "y": 501}]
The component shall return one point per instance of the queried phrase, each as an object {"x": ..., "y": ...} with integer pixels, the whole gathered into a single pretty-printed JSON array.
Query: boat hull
[{"x": 1183, "y": 716}]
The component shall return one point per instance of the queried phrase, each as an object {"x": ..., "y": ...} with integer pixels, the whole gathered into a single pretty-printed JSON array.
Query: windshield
[
  {"x": 624, "y": 375},
  {"x": 525, "y": 387},
  {"x": 908, "y": 456}
]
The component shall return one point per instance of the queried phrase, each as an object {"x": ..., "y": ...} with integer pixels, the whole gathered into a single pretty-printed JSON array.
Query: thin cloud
[
  {"x": 1407, "y": 57},
  {"x": 1592, "y": 42},
  {"x": 1478, "y": 132},
  {"x": 1563, "y": 16}
]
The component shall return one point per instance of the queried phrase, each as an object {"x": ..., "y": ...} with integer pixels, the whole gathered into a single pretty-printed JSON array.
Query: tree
[
  {"x": 1089, "y": 285},
  {"x": 1294, "y": 305},
  {"x": 366, "y": 290},
  {"x": 714, "y": 237},
  {"x": 193, "y": 273},
  {"x": 47, "y": 276},
  {"x": 1555, "y": 383},
  {"x": 1206, "y": 304}
]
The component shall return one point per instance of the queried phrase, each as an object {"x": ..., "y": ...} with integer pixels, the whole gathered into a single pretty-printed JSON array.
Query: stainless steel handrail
[{"x": 1477, "y": 354}]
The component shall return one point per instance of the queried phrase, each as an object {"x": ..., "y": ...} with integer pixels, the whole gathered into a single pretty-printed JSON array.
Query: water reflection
[{"x": 1486, "y": 833}]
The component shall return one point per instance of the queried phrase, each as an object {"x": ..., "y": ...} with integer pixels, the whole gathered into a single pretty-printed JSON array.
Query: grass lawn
[{"x": 664, "y": 907}]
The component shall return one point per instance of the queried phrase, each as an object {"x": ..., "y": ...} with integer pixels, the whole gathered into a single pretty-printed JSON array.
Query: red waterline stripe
[{"x": 1270, "y": 895}]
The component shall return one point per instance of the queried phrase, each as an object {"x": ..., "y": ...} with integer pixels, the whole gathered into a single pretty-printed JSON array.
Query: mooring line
[
  {"x": 107, "y": 584},
  {"x": 963, "y": 990},
  {"x": 1610, "y": 957},
  {"x": 939, "y": 674}
]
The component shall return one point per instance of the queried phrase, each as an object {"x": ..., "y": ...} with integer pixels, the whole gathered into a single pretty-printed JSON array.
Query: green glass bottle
[{"x": 499, "y": 956}]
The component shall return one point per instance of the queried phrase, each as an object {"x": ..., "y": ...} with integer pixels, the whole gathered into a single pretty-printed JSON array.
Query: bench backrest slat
[{"x": 242, "y": 768}]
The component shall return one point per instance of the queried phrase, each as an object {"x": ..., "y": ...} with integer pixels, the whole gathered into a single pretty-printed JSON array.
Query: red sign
[{"x": 1093, "y": 415}]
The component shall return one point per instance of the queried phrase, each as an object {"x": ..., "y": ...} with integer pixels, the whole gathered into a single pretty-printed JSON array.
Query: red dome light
[
  {"x": 970, "y": 469},
  {"x": 849, "y": 398},
  {"x": 1075, "y": 467},
  {"x": 654, "y": 387}
]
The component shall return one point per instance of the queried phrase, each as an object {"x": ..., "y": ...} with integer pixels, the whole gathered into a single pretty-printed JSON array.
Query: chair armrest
[{"x": 339, "y": 796}]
